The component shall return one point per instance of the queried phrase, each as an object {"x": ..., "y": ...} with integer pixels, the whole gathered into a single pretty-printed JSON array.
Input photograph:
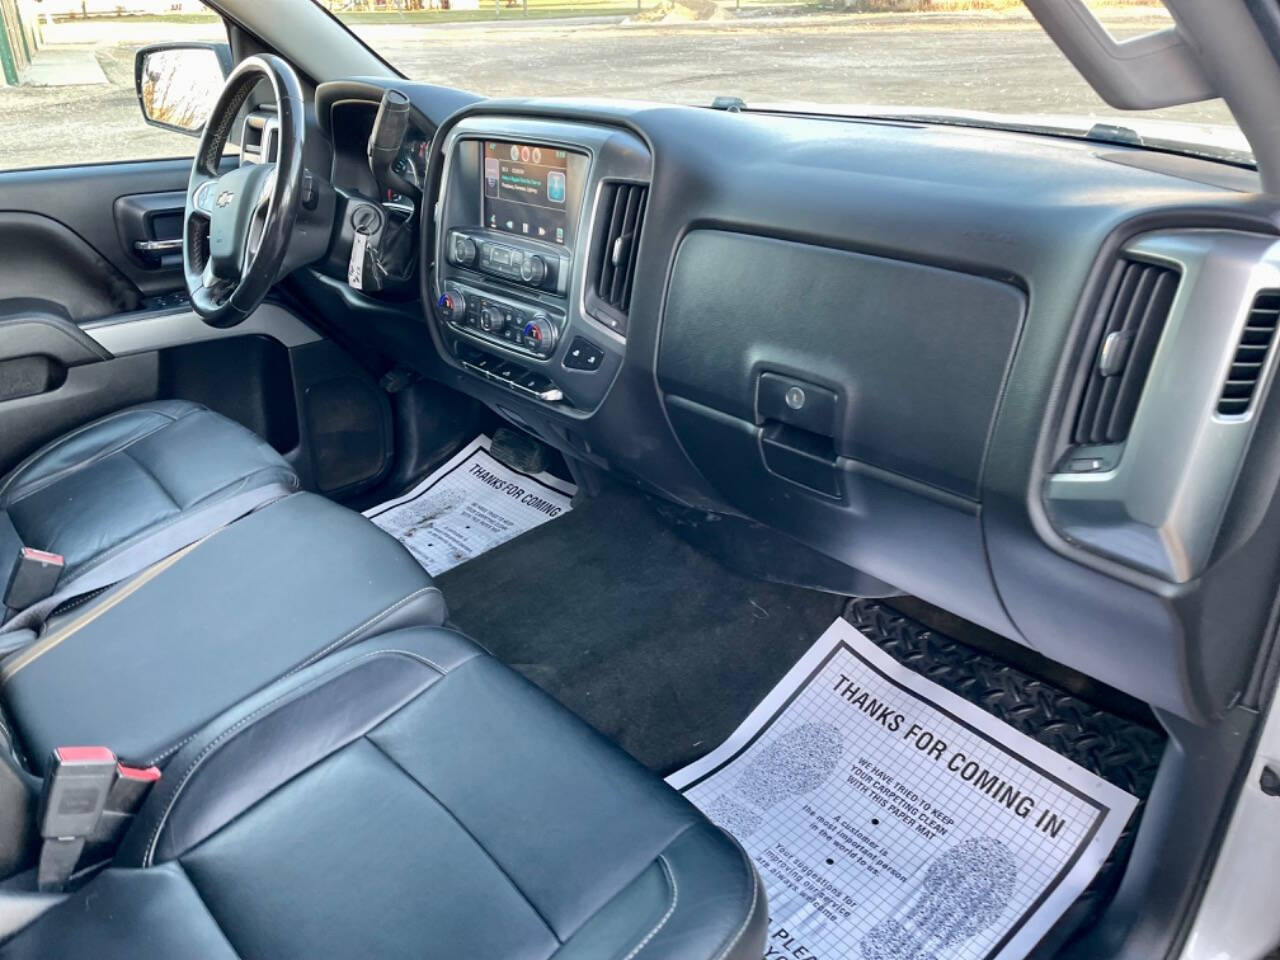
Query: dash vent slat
[
  {"x": 618, "y": 224},
  {"x": 1133, "y": 313},
  {"x": 1251, "y": 355}
]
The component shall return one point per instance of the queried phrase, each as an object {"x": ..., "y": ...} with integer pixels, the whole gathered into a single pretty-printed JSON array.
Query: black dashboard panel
[
  {"x": 915, "y": 355},
  {"x": 844, "y": 399},
  {"x": 932, "y": 290}
]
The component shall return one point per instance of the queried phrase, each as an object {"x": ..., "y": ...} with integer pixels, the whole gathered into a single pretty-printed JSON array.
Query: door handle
[{"x": 153, "y": 247}]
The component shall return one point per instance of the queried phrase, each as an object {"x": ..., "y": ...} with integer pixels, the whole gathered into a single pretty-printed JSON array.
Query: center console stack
[{"x": 524, "y": 204}]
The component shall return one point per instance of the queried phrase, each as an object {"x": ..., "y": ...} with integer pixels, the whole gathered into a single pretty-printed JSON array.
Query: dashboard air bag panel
[{"x": 916, "y": 354}]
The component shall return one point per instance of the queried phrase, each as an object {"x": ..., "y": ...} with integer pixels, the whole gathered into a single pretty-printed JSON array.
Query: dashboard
[{"x": 1002, "y": 372}]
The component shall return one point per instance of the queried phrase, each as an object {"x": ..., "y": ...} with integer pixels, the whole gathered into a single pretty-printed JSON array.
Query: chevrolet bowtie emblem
[{"x": 225, "y": 197}]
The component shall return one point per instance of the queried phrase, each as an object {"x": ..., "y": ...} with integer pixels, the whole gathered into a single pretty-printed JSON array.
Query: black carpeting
[
  {"x": 650, "y": 641},
  {"x": 666, "y": 651}
]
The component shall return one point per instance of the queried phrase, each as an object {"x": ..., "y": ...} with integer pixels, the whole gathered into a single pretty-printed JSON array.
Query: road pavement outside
[{"x": 977, "y": 61}]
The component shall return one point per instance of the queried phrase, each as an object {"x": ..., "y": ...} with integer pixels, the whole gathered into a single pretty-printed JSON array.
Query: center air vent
[
  {"x": 1132, "y": 316},
  {"x": 1251, "y": 354},
  {"x": 611, "y": 268}
]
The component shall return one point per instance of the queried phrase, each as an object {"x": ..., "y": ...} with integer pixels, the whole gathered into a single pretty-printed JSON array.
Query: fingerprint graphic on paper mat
[
  {"x": 795, "y": 763},
  {"x": 963, "y": 892}
]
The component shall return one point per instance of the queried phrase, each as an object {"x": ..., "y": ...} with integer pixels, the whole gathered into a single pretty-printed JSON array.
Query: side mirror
[{"x": 178, "y": 83}]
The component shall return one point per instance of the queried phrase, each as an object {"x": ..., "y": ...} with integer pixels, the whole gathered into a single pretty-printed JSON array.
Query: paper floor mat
[
  {"x": 892, "y": 820},
  {"x": 471, "y": 504}
]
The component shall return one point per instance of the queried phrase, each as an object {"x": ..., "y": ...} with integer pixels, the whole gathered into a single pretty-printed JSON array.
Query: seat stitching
[
  {"x": 675, "y": 899},
  {"x": 182, "y": 514},
  {"x": 207, "y": 912},
  {"x": 133, "y": 540},
  {"x": 349, "y": 635},
  {"x": 151, "y": 473},
  {"x": 169, "y": 751},
  {"x": 65, "y": 472},
  {"x": 755, "y": 896},
  {"x": 243, "y": 482},
  {"x": 153, "y": 840},
  {"x": 68, "y": 437},
  {"x": 474, "y": 839}
]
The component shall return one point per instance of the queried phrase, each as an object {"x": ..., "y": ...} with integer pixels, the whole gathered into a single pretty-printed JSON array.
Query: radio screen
[{"x": 525, "y": 190}]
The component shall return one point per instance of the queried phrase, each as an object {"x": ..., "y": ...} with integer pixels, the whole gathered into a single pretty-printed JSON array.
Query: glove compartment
[{"x": 845, "y": 399}]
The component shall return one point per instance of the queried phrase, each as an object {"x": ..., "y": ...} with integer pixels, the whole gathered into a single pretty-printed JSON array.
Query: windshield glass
[{"x": 984, "y": 61}]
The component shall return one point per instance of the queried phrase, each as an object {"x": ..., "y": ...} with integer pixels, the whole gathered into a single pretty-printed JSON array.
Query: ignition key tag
[{"x": 355, "y": 269}]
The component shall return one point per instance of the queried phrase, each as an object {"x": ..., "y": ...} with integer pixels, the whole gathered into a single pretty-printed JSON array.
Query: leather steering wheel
[{"x": 237, "y": 225}]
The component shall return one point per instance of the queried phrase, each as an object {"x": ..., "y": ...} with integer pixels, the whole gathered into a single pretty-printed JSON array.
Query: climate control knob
[
  {"x": 491, "y": 320},
  {"x": 540, "y": 334},
  {"x": 534, "y": 269},
  {"x": 453, "y": 305}
]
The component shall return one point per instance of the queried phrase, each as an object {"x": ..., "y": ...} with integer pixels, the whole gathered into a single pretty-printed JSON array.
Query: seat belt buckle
[
  {"x": 71, "y": 803},
  {"x": 34, "y": 577},
  {"x": 88, "y": 797}
]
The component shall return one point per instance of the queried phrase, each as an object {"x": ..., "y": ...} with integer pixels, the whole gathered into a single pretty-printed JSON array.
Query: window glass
[
  {"x": 979, "y": 61},
  {"x": 68, "y": 92}
]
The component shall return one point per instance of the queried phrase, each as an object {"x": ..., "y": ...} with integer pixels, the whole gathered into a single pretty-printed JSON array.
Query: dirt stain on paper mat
[
  {"x": 892, "y": 820},
  {"x": 468, "y": 506}
]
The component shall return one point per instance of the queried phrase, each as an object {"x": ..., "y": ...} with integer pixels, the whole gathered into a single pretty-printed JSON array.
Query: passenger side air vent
[
  {"x": 1132, "y": 316},
  {"x": 612, "y": 264},
  {"x": 1251, "y": 354}
]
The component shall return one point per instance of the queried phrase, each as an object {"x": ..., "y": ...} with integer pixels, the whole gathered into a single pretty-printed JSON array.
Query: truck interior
[{"x": 995, "y": 393}]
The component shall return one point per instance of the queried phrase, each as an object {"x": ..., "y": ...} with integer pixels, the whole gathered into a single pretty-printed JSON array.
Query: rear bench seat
[{"x": 408, "y": 796}]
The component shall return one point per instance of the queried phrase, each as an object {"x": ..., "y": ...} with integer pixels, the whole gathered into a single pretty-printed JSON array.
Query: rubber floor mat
[{"x": 1119, "y": 750}]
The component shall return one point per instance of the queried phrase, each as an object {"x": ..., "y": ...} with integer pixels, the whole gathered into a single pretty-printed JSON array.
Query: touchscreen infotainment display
[{"x": 525, "y": 190}]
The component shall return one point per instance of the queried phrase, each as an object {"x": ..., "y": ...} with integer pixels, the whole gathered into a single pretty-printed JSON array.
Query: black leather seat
[
  {"x": 410, "y": 797},
  {"x": 116, "y": 482},
  {"x": 143, "y": 665}
]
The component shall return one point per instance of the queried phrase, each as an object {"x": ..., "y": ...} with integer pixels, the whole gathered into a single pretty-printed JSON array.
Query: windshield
[{"x": 984, "y": 61}]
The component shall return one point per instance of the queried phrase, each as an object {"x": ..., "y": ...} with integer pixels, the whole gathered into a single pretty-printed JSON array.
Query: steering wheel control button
[
  {"x": 583, "y": 355},
  {"x": 203, "y": 199}
]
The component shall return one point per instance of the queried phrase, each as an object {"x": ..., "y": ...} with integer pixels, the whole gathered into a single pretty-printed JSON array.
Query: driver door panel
[
  {"x": 99, "y": 213},
  {"x": 89, "y": 324}
]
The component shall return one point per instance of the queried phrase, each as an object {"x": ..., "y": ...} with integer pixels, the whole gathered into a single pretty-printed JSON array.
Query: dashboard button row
[{"x": 509, "y": 374}]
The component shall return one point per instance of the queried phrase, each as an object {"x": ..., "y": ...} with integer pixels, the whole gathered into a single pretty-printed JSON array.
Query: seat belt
[
  {"x": 35, "y": 575},
  {"x": 137, "y": 557},
  {"x": 87, "y": 801}
]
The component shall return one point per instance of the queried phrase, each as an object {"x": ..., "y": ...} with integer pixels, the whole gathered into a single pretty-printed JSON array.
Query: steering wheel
[{"x": 237, "y": 225}]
